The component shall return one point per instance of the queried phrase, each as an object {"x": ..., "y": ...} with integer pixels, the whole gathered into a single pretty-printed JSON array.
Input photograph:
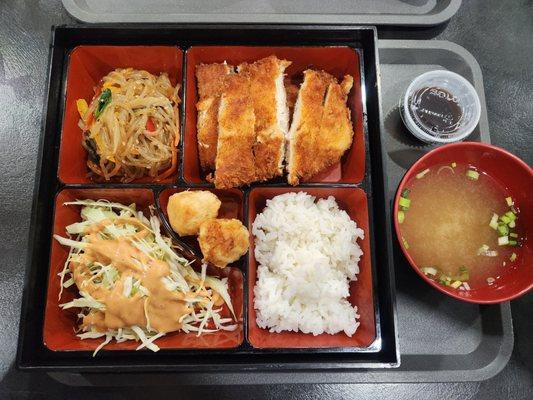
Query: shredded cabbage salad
[{"x": 201, "y": 293}]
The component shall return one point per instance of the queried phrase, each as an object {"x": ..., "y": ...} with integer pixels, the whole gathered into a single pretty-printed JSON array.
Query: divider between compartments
[{"x": 183, "y": 114}]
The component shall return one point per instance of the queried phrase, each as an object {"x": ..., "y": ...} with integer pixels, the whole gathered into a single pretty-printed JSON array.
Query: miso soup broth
[{"x": 449, "y": 227}]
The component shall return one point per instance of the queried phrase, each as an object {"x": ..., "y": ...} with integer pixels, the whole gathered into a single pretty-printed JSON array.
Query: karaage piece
[
  {"x": 223, "y": 241},
  {"x": 188, "y": 210}
]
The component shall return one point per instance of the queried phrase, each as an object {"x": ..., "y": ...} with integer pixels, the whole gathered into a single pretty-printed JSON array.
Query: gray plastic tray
[
  {"x": 368, "y": 12},
  {"x": 440, "y": 339}
]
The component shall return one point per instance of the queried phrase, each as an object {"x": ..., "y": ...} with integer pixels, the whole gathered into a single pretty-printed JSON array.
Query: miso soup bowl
[{"x": 511, "y": 173}]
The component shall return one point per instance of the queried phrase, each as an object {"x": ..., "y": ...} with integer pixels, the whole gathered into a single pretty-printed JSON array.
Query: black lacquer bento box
[{"x": 79, "y": 56}]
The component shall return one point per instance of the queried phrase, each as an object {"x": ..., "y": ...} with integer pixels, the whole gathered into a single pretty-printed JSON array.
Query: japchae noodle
[{"x": 131, "y": 127}]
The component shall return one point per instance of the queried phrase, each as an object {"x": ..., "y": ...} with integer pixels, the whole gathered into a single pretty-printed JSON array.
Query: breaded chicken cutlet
[
  {"x": 235, "y": 165},
  {"x": 267, "y": 92},
  {"x": 292, "y": 95},
  {"x": 211, "y": 81},
  {"x": 321, "y": 129}
]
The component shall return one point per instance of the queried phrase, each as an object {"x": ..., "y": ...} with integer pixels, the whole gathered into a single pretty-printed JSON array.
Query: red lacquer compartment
[
  {"x": 337, "y": 61},
  {"x": 87, "y": 65},
  {"x": 232, "y": 207},
  {"x": 354, "y": 202},
  {"x": 59, "y": 325}
]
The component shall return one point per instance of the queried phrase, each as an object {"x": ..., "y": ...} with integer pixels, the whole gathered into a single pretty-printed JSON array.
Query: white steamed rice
[{"x": 307, "y": 255}]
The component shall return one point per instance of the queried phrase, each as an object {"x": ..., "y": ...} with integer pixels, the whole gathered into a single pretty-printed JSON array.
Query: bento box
[{"x": 79, "y": 57}]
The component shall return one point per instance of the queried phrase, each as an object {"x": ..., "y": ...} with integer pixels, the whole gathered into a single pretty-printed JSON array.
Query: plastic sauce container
[{"x": 440, "y": 107}]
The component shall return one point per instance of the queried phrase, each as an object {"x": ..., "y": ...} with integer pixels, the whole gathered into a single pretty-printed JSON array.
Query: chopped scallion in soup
[{"x": 460, "y": 225}]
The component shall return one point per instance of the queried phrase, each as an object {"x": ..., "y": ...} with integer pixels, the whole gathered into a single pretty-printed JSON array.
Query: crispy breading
[
  {"x": 223, "y": 241},
  {"x": 271, "y": 114},
  {"x": 188, "y": 210},
  {"x": 305, "y": 127},
  {"x": 336, "y": 121},
  {"x": 292, "y": 94},
  {"x": 211, "y": 80},
  {"x": 321, "y": 129},
  {"x": 235, "y": 165}
]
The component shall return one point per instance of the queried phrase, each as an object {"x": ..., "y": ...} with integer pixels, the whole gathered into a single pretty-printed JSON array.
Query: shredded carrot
[
  {"x": 174, "y": 164},
  {"x": 89, "y": 121},
  {"x": 94, "y": 167},
  {"x": 172, "y": 168},
  {"x": 114, "y": 171}
]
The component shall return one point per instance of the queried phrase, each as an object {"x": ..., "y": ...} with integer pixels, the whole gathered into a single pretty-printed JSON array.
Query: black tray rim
[{"x": 44, "y": 154}]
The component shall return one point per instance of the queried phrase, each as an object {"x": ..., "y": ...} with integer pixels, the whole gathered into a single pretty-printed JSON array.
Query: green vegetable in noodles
[{"x": 103, "y": 102}]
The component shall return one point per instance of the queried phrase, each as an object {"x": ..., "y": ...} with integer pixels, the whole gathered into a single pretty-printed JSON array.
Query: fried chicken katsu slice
[
  {"x": 271, "y": 114},
  {"x": 235, "y": 164},
  {"x": 336, "y": 121},
  {"x": 305, "y": 127},
  {"x": 321, "y": 130},
  {"x": 292, "y": 94},
  {"x": 211, "y": 81}
]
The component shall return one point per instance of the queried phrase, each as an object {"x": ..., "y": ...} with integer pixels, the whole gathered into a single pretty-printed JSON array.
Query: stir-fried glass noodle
[
  {"x": 132, "y": 284},
  {"x": 131, "y": 127}
]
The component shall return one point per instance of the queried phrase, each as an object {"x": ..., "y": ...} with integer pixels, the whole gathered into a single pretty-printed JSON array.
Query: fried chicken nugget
[
  {"x": 188, "y": 210},
  {"x": 223, "y": 241}
]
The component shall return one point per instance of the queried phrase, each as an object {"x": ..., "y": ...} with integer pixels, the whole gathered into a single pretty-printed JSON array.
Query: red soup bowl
[{"x": 516, "y": 178}]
